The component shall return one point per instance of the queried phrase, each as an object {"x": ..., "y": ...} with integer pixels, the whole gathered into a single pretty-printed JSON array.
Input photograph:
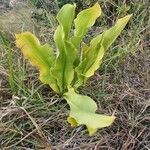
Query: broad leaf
[
  {"x": 85, "y": 19},
  {"x": 65, "y": 18},
  {"x": 63, "y": 70},
  {"x": 58, "y": 69},
  {"x": 41, "y": 56},
  {"x": 92, "y": 55},
  {"x": 82, "y": 112},
  {"x": 91, "y": 61},
  {"x": 109, "y": 36}
]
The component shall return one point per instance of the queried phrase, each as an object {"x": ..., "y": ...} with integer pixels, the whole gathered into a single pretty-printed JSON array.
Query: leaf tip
[
  {"x": 17, "y": 36},
  {"x": 127, "y": 18},
  {"x": 98, "y": 8}
]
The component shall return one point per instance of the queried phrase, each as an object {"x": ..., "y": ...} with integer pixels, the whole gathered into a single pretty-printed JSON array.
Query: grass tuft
[{"x": 33, "y": 117}]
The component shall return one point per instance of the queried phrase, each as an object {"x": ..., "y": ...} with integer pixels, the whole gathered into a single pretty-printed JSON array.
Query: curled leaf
[
  {"x": 110, "y": 35},
  {"x": 41, "y": 56},
  {"x": 91, "y": 62},
  {"x": 84, "y": 20},
  {"x": 63, "y": 69},
  {"x": 65, "y": 18},
  {"x": 92, "y": 55},
  {"x": 82, "y": 112}
]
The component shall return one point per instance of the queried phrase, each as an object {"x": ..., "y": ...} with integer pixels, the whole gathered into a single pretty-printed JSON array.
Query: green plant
[{"x": 74, "y": 61}]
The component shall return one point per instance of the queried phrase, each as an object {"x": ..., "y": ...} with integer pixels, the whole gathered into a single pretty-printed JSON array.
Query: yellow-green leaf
[
  {"x": 65, "y": 18},
  {"x": 109, "y": 36},
  {"x": 41, "y": 56},
  {"x": 63, "y": 70},
  {"x": 84, "y": 20},
  {"x": 82, "y": 112},
  {"x": 92, "y": 55},
  {"x": 91, "y": 61}
]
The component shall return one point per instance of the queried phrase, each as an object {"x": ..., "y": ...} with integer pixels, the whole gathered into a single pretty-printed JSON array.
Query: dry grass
[{"x": 32, "y": 117}]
